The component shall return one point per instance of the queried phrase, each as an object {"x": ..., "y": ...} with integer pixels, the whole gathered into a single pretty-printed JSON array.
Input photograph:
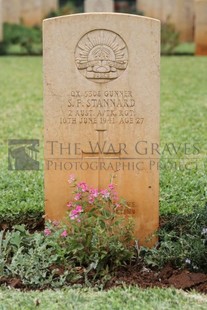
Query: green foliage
[
  {"x": 169, "y": 38},
  {"x": 28, "y": 39},
  {"x": 29, "y": 257},
  {"x": 21, "y": 199},
  {"x": 183, "y": 242},
  {"x": 21, "y": 192}
]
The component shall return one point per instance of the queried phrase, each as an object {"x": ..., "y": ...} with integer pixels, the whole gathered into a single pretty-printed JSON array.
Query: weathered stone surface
[
  {"x": 201, "y": 27},
  {"x": 184, "y": 19},
  {"x": 168, "y": 11},
  {"x": 101, "y": 110},
  {"x": 48, "y": 6},
  {"x": 11, "y": 11},
  {"x": 157, "y": 9},
  {"x": 180, "y": 13},
  {"x": 144, "y": 6},
  {"x": 98, "y": 6},
  {"x": 31, "y": 12},
  {"x": 1, "y": 22}
]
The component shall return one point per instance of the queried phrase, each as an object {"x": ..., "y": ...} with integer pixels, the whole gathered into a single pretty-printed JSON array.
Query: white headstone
[
  {"x": 11, "y": 11},
  {"x": 1, "y": 22},
  {"x": 157, "y": 9},
  {"x": 184, "y": 19},
  {"x": 48, "y": 6},
  {"x": 101, "y": 98},
  {"x": 145, "y": 6},
  {"x": 201, "y": 27},
  {"x": 168, "y": 11},
  {"x": 98, "y": 6},
  {"x": 31, "y": 12}
]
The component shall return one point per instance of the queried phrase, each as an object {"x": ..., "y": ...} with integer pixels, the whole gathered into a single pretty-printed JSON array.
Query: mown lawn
[
  {"x": 131, "y": 298},
  {"x": 183, "y": 122}
]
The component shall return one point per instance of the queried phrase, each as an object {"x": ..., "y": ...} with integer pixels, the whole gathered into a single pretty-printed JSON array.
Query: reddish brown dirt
[{"x": 167, "y": 277}]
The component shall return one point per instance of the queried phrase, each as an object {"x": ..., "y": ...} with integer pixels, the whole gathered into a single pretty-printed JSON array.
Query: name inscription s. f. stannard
[{"x": 101, "y": 55}]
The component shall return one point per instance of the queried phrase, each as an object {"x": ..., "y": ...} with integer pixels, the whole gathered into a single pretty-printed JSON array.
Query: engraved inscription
[
  {"x": 100, "y": 107},
  {"x": 101, "y": 55}
]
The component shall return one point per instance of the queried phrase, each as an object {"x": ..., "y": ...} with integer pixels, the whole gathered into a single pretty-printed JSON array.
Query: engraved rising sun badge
[{"x": 101, "y": 55}]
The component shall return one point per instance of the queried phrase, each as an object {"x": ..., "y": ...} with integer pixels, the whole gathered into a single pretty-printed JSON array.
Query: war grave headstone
[
  {"x": 143, "y": 6},
  {"x": 49, "y": 6},
  {"x": 1, "y": 22},
  {"x": 98, "y": 6},
  {"x": 31, "y": 12},
  {"x": 184, "y": 19},
  {"x": 157, "y": 9},
  {"x": 101, "y": 111},
  {"x": 201, "y": 27},
  {"x": 11, "y": 11}
]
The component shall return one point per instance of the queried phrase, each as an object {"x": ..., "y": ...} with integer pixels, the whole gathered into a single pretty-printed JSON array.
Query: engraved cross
[
  {"x": 101, "y": 154},
  {"x": 101, "y": 146}
]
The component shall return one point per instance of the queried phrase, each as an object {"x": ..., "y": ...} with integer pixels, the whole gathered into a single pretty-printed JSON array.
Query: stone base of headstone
[{"x": 201, "y": 27}]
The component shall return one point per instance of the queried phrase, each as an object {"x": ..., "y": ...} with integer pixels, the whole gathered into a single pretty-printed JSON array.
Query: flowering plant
[
  {"x": 98, "y": 234},
  {"x": 90, "y": 202}
]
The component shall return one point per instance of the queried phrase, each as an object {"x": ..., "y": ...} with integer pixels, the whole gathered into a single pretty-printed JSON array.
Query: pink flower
[
  {"x": 111, "y": 187},
  {"x": 47, "y": 232},
  {"x": 71, "y": 178},
  {"x": 91, "y": 199},
  {"x": 115, "y": 196},
  {"x": 64, "y": 233},
  {"x": 55, "y": 223},
  {"x": 69, "y": 204},
  {"x": 83, "y": 186},
  {"x": 77, "y": 196},
  {"x": 79, "y": 209},
  {"x": 75, "y": 213},
  {"x": 105, "y": 193},
  {"x": 94, "y": 192}
]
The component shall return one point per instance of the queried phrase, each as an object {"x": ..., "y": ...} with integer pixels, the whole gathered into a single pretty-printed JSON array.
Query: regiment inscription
[{"x": 97, "y": 107}]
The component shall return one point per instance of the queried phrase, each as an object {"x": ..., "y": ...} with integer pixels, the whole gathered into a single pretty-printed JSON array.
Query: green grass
[
  {"x": 185, "y": 49},
  {"x": 21, "y": 118},
  {"x": 183, "y": 120},
  {"x": 116, "y": 299}
]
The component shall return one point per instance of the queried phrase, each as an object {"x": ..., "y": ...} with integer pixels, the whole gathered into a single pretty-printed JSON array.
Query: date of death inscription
[{"x": 100, "y": 107}]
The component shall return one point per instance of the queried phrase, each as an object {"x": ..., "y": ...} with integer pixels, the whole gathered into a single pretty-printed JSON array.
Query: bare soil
[{"x": 167, "y": 277}]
